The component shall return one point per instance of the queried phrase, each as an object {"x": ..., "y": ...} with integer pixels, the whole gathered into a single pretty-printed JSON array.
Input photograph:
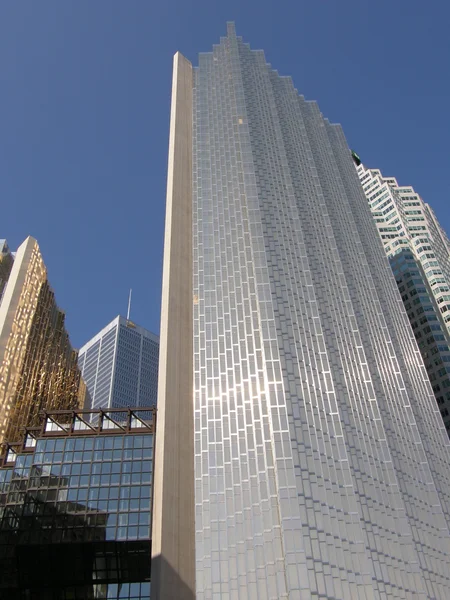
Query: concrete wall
[{"x": 173, "y": 547}]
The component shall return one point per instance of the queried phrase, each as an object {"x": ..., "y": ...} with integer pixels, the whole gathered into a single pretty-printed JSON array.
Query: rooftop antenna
[{"x": 129, "y": 305}]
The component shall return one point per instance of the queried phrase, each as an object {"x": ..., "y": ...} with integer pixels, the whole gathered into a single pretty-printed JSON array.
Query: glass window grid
[
  {"x": 266, "y": 160},
  {"x": 109, "y": 591},
  {"x": 106, "y": 479}
]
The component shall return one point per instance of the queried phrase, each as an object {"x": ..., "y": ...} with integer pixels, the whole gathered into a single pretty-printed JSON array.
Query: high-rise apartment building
[
  {"x": 419, "y": 253},
  {"x": 299, "y": 440},
  {"x": 120, "y": 366},
  {"x": 38, "y": 366}
]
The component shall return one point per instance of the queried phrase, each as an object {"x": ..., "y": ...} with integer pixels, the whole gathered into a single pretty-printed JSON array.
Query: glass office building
[
  {"x": 430, "y": 330},
  {"x": 320, "y": 457},
  {"x": 38, "y": 366},
  {"x": 75, "y": 508},
  {"x": 405, "y": 221},
  {"x": 120, "y": 366},
  {"x": 410, "y": 232}
]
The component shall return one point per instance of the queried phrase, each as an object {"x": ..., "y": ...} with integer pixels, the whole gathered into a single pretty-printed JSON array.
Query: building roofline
[{"x": 119, "y": 320}]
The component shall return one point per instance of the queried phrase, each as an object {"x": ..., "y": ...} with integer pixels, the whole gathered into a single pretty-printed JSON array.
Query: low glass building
[{"x": 75, "y": 508}]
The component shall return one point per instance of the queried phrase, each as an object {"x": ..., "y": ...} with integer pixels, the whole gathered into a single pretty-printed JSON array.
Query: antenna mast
[{"x": 129, "y": 305}]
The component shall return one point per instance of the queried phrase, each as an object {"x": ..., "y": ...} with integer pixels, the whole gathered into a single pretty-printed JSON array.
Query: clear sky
[{"x": 84, "y": 118}]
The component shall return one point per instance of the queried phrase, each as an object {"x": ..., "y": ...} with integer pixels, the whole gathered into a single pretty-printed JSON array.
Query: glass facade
[
  {"x": 78, "y": 495},
  {"x": 38, "y": 366},
  {"x": 410, "y": 232},
  {"x": 120, "y": 366},
  {"x": 428, "y": 325},
  {"x": 405, "y": 221},
  {"x": 321, "y": 460}
]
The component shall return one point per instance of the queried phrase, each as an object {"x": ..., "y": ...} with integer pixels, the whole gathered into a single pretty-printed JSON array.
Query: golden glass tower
[{"x": 38, "y": 366}]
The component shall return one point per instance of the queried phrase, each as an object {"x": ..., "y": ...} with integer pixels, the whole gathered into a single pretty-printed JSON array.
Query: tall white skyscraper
[
  {"x": 404, "y": 220},
  {"x": 419, "y": 253},
  {"x": 298, "y": 440},
  {"x": 120, "y": 366}
]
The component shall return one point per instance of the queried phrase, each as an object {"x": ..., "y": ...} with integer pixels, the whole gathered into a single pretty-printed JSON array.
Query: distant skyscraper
[
  {"x": 404, "y": 220},
  {"x": 38, "y": 367},
  {"x": 6, "y": 263},
  {"x": 311, "y": 460},
  {"x": 120, "y": 366},
  {"x": 419, "y": 253}
]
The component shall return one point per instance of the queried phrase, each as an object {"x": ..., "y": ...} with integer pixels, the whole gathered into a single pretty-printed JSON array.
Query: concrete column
[{"x": 173, "y": 535}]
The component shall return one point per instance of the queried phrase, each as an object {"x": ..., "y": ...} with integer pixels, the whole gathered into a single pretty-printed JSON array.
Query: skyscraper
[
  {"x": 38, "y": 366},
  {"x": 311, "y": 460},
  {"x": 6, "y": 263},
  {"x": 419, "y": 253},
  {"x": 120, "y": 366},
  {"x": 404, "y": 220}
]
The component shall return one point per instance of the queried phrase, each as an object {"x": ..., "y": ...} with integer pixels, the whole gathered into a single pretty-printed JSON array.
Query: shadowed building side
[{"x": 173, "y": 551}]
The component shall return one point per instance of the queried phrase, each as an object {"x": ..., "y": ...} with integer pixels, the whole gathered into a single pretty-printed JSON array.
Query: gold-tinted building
[{"x": 38, "y": 366}]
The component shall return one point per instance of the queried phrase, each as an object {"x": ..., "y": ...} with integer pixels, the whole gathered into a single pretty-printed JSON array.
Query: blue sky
[{"x": 84, "y": 117}]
